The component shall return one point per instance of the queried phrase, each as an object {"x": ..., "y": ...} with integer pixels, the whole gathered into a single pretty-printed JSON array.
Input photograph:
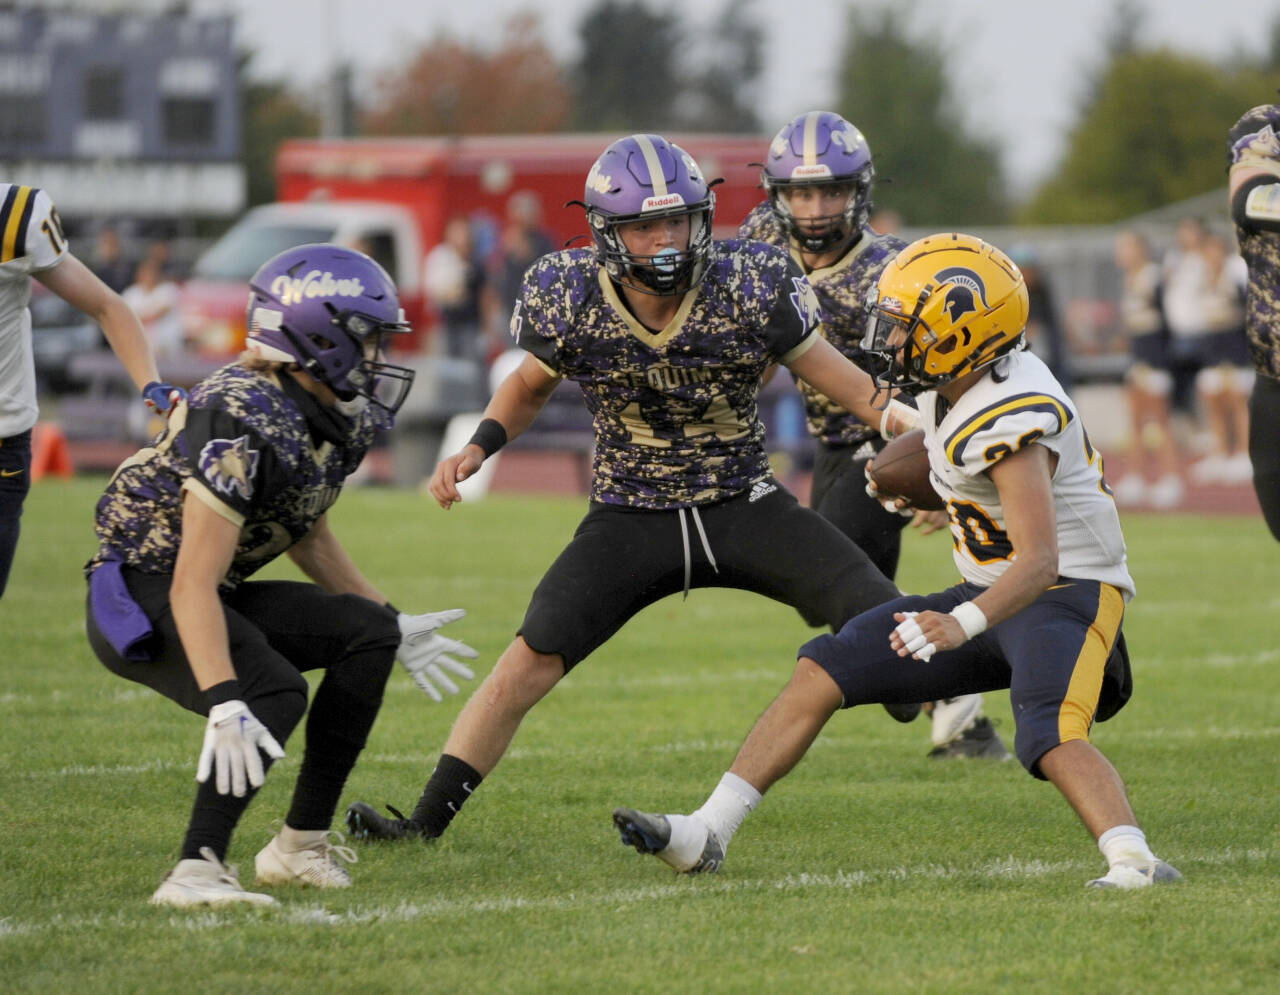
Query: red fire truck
[{"x": 392, "y": 198}]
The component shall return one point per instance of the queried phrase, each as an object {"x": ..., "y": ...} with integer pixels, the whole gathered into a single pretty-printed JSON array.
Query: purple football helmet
[
  {"x": 820, "y": 148},
  {"x": 327, "y": 309},
  {"x": 639, "y": 178}
]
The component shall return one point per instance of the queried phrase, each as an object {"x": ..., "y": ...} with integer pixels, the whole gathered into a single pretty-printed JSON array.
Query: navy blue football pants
[
  {"x": 1063, "y": 659},
  {"x": 15, "y": 482}
]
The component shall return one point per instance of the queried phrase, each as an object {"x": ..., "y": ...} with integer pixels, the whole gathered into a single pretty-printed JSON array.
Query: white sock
[
  {"x": 1124, "y": 843},
  {"x": 688, "y": 837},
  {"x": 731, "y": 802}
]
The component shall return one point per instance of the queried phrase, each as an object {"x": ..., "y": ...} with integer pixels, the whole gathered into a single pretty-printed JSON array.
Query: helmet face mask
[
  {"x": 329, "y": 310},
  {"x": 946, "y": 306},
  {"x": 647, "y": 178},
  {"x": 819, "y": 149}
]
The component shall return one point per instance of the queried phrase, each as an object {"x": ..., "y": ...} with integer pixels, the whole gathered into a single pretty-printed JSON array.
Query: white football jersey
[
  {"x": 31, "y": 240},
  {"x": 1020, "y": 403}
]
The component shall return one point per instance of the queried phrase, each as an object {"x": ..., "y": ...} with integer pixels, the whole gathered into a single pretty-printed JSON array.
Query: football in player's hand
[{"x": 901, "y": 469}]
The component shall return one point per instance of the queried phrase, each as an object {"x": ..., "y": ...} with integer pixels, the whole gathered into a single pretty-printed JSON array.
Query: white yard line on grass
[{"x": 453, "y": 909}]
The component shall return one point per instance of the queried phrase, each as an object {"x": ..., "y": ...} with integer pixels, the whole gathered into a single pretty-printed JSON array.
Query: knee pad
[
  {"x": 281, "y": 709},
  {"x": 372, "y": 625},
  {"x": 1242, "y": 378}
]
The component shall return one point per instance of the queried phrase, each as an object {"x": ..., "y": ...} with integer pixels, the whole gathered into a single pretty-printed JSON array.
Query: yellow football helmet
[{"x": 947, "y": 305}]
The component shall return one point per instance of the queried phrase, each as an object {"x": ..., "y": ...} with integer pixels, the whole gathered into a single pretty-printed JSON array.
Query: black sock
[
  {"x": 450, "y": 785},
  {"x": 214, "y": 816}
]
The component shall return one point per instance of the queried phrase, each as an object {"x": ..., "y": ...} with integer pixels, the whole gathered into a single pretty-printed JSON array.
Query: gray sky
[{"x": 1018, "y": 63}]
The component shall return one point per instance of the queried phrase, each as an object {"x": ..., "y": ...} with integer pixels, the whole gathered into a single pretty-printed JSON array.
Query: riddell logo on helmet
[
  {"x": 655, "y": 203},
  {"x": 291, "y": 290},
  {"x": 821, "y": 169}
]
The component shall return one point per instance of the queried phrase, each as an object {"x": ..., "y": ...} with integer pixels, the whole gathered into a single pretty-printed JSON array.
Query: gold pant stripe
[{"x": 1081, "y": 701}]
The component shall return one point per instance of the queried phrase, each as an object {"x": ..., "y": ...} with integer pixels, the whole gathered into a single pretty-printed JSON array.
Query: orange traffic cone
[{"x": 50, "y": 453}]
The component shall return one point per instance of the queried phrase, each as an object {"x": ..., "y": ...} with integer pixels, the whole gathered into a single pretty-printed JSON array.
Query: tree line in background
[{"x": 1149, "y": 124}]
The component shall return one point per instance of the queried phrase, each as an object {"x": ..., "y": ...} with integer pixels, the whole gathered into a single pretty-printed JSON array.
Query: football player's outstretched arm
[
  {"x": 514, "y": 406},
  {"x": 76, "y": 284},
  {"x": 322, "y": 557},
  {"x": 826, "y": 368}
]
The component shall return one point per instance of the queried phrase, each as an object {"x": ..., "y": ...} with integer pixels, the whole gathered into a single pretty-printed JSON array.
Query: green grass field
[{"x": 870, "y": 869}]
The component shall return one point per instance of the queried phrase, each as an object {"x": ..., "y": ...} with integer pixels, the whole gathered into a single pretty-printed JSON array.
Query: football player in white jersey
[
  {"x": 32, "y": 244},
  {"x": 1039, "y": 548}
]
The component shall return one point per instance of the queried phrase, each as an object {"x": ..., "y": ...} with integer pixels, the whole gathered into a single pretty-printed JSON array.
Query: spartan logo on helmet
[{"x": 966, "y": 291}]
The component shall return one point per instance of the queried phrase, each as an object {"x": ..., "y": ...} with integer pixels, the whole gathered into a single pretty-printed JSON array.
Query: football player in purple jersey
[
  {"x": 667, "y": 333},
  {"x": 818, "y": 175},
  {"x": 33, "y": 246},
  {"x": 1254, "y": 162},
  {"x": 247, "y": 470}
]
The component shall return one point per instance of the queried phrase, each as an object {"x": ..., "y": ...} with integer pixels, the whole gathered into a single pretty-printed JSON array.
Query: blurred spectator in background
[
  {"x": 1225, "y": 377},
  {"x": 109, "y": 262},
  {"x": 1155, "y": 475},
  {"x": 153, "y": 297},
  {"x": 885, "y": 221},
  {"x": 1184, "y": 297},
  {"x": 160, "y": 252},
  {"x": 521, "y": 242},
  {"x": 1044, "y": 330},
  {"x": 454, "y": 280}
]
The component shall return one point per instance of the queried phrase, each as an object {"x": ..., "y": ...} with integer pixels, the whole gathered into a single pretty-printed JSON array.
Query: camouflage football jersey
[
  {"x": 243, "y": 446},
  {"x": 842, "y": 291},
  {"x": 1017, "y": 404},
  {"x": 31, "y": 241},
  {"x": 1260, "y": 244},
  {"x": 674, "y": 411}
]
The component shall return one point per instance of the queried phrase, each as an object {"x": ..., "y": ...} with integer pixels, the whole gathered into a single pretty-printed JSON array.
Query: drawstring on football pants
[{"x": 688, "y": 553}]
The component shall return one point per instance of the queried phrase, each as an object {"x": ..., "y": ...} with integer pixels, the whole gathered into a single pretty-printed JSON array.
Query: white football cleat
[
  {"x": 297, "y": 856},
  {"x": 1134, "y": 872},
  {"x": 207, "y": 881},
  {"x": 952, "y": 716}
]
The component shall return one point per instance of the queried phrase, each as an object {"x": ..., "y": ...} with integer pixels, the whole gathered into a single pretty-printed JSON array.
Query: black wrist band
[
  {"x": 489, "y": 436},
  {"x": 224, "y": 692},
  {"x": 391, "y": 608}
]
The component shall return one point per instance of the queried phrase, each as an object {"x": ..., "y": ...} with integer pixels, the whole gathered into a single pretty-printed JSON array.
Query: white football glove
[
  {"x": 231, "y": 743},
  {"x": 425, "y": 654}
]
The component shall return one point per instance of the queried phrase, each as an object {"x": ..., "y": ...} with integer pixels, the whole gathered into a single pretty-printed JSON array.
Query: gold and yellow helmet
[{"x": 947, "y": 305}]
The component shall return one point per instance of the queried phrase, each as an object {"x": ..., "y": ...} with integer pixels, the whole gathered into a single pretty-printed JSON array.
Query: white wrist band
[
  {"x": 970, "y": 618},
  {"x": 906, "y": 416}
]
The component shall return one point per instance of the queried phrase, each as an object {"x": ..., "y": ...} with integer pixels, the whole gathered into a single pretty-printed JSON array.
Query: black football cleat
[
  {"x": 979, "y": 740},
  {"x": 903, "y": 713},
  {"x": 366, "y": 823},
  {"x": 652, "y": 834}
]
